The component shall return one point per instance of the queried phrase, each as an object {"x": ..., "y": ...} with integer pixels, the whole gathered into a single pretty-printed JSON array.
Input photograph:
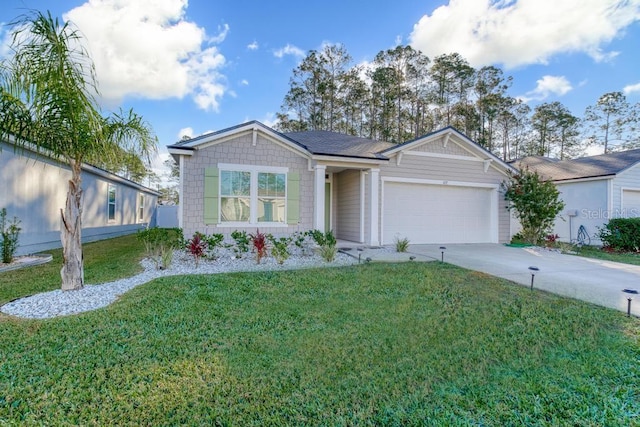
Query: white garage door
[
  {"x": 426, "y": 213},
  {"x": 631, "y": 203}
]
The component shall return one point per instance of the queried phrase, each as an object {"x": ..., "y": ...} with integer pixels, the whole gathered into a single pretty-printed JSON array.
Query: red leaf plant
[
  {"x": 259, "y": 242},
  {"x": 196, "y": 246}
]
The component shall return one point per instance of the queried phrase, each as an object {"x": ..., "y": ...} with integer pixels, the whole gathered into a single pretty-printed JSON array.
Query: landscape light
[
  {"x": 629, "y": 293},
  {"x": 533, "y": 270},
  {"x": 442, "y": 249}
]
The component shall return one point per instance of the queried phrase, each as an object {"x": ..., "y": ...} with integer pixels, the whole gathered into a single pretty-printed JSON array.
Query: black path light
[
  {"x": 442, "y": 249},
  {"x": 629, "y": 293},
  {"x": 533, "y": 270}
]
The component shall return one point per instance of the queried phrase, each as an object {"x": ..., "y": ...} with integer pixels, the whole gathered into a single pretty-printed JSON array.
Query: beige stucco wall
[{"x": 240, "y": 150}]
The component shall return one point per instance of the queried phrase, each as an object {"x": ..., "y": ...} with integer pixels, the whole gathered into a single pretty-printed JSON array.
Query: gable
[
  {"x": 438, "y": 146},
  {"x": 448, "y": 144}
]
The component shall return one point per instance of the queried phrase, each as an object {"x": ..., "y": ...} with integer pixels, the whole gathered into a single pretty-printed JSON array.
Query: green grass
[
  {"x": 104, "y": 261},
  {"x": 376, "y": 344},
  {"x": 598, "y": 253}
]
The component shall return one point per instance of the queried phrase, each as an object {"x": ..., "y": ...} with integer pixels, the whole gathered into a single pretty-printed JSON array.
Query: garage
[
  {"x": 630, "y": 203},
  {"x": 429, "y": 213}
]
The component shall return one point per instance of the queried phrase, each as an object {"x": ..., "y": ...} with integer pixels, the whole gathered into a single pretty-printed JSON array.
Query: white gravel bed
[{"x": 61, "y": 303}]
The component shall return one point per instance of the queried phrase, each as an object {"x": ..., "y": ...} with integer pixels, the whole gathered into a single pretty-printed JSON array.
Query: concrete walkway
[{"x": 596, "y": 281}]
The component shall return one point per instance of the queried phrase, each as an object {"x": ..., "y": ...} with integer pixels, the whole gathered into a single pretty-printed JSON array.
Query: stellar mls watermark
[{"x": 609, "y": 214}]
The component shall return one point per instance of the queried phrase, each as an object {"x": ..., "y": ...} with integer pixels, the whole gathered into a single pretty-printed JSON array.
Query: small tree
[
  {"x": 535, "y": 202},
  {"x": 9, "y": 232}
]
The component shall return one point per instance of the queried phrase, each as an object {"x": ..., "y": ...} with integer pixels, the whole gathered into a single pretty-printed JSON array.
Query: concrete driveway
[{"x": 596, "y": 281}]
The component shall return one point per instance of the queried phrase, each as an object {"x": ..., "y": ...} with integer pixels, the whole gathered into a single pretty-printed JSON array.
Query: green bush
[
  {"x": 280, "y": 248},
  {"x": 10, "y": 232},
  {"x": 160, "y": 243},
  {"x": 621, "y": 234},
  {"x": 402, "y": 245},
  {"x": 535, "y": 202},
  {"x": 242, "y": 241}
]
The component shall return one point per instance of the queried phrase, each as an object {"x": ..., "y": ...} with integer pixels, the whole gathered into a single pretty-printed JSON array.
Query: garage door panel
[
  {"x": 436, "y": 213},
  {"x": 631, "y": 203}
]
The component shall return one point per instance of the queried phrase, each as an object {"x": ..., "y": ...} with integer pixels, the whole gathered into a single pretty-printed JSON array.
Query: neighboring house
[
  {"x": 34, "y": 189},
  {"x": 439, "y": 188},
  {"x": 594, "y": 189}
]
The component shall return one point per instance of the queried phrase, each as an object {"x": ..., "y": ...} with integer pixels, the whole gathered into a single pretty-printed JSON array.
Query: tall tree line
[{"x": 402, "y": 94}]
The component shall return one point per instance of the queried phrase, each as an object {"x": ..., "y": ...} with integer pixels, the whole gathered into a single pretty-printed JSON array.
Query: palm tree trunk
[{"x": 71, "y": 233}]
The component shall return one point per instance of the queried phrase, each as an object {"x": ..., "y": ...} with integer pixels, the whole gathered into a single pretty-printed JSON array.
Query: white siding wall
[
  {"x": 34, "y": 189},
  {"x": 629, "y": 179},
  {"x": 590, "y": 201},
  {"x": 348, "y": 205}
]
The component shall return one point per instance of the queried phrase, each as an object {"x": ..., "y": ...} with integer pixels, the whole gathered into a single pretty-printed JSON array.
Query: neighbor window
[
  {"x": 140, "y": 207},
  {"x": 252, "y": 196},
  {"x": 111, "y": 202}
]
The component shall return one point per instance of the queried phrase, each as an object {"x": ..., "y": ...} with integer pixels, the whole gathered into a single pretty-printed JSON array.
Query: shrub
[
  {"x": 196, "y": 246},
  {"x": 10, "y": 232},
  {"x": 621, "y": 234},
  {"x": 213, "y": 241},
  {"x": 259, "y": 242},
  {"x": 242, "y": 241},
  {"x": 160, "y": 243},
  {"x": 402, "y": 245},
  {"x": 301, "y": 240},
  {"x": 327, "y": 243},
  {"x": 535, "y": 202},
  {"x": 323, "y": 239},
  {"x": 551, "y": 240},
  {"x": 280, "y": 249},
  {"x": 328, "y": 252}
]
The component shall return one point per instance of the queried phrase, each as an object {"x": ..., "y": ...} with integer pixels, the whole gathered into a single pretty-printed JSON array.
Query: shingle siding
[{"x": 240, "y": 150}]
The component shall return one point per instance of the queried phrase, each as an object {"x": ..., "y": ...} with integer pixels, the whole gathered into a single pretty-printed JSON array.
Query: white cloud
[
  {"x": 188, "y": 131},
  {"x": 289, "y": 49},
  {"x": 631, "y": 89},
  {"x": 521, "y": 32},
  {"x": 147, "y": 49},
  {"x": 253, "y": 45},
  {"x": 244, "y": 82},
  {"x": 547, "y": 86}
]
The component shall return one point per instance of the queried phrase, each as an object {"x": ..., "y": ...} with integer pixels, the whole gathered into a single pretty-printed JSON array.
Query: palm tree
[{"x": 48, "y": 102}]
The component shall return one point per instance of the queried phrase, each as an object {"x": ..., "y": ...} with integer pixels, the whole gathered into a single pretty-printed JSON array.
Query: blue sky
[{"x": 195, "y": 66}]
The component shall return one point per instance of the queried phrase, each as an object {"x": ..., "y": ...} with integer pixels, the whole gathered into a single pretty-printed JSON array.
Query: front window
[
  {"x": 271, "y": 197},
  {"x": 111, "y": 202},
  {"x": 252, "y": 196},
  {"x": 235, "y": 196}
]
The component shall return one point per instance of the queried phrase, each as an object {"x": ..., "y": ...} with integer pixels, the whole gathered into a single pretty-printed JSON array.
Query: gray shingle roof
[
  {"x": 338, "y": 144},
  {"x": 584, "y": 167}
]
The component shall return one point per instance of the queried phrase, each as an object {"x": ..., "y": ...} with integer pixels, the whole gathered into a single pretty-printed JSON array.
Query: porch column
[
  {"x": 374, "y": 207},
  {"x": 319, "y": 196}
]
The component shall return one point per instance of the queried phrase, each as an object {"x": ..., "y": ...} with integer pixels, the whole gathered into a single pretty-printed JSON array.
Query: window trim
[
  {"x": 254, "y": 170},
  {"x": 114, "y": 203}
]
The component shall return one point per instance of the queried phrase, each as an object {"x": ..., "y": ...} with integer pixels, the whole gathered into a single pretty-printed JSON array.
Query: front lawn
[
  {"x": 599, "y": 253},
  {"x": 376, "y": 344},
  {"x": 104, "y": 261}
]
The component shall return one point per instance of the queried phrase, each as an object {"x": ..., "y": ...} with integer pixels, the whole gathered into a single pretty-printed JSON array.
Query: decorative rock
[{"x": 62, "y": 303}]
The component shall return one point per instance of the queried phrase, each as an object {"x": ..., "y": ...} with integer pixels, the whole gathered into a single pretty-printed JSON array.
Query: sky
[{"x": 194, "y": 66}]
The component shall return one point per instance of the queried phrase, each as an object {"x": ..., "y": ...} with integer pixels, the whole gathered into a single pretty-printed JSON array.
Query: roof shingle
[{"x": 584, "y": 167}]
